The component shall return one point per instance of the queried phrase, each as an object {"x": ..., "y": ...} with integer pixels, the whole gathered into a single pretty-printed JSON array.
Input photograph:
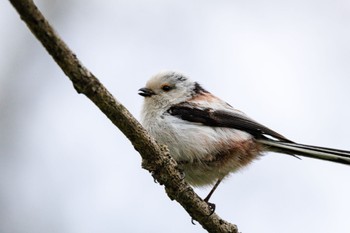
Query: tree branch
[{"x": 156, "y": 159}]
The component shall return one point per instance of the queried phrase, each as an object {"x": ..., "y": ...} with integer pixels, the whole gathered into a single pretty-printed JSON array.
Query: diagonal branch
[{"x": 156, "y": 159}]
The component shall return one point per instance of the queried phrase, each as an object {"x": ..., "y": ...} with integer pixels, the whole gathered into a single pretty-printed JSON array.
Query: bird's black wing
[{"x": 222, "y": 118}]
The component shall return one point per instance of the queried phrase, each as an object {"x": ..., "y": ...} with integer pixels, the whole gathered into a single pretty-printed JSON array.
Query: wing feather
[{"x": 223, "y": 118}]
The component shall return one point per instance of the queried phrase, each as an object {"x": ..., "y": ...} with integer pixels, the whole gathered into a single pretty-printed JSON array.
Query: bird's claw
[
  {"x": 212, "y": 207},
  {"x": 192, "y": 221},
  {"x": 182, "y": 174}
]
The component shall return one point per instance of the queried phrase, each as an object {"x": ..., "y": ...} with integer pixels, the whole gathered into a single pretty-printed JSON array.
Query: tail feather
[{"x": 316, "y": 152}]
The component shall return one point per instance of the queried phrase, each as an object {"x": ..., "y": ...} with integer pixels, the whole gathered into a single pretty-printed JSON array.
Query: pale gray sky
[{"x": 65, "y": 168}]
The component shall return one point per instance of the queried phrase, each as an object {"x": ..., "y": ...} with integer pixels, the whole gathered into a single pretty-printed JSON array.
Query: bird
[{"x": 208, "y": 138}]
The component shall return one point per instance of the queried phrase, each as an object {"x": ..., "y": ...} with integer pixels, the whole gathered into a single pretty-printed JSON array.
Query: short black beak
[{"x": 146, "y": 92}]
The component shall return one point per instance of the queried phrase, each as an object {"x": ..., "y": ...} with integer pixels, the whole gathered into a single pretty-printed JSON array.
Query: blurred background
[{"x": 65, "y": 168}]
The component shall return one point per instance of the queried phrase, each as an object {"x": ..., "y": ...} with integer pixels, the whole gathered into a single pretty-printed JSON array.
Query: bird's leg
[
  {"x": 212, "y": 190},
  {"x": 212, "y": 205}
]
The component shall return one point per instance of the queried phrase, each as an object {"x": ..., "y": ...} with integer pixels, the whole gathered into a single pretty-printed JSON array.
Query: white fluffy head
[{"x": 168, "y": 88}]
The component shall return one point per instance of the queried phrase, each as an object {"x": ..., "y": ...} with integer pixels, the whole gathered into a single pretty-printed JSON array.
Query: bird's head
[{"x": 168, "y": 88}]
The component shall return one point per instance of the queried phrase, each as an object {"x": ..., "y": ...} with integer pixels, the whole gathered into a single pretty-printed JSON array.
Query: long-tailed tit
[{"x": 209, "y": 138}]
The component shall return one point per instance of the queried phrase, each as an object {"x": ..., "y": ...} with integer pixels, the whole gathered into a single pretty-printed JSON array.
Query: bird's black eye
[{"x": 166, "y": 88}]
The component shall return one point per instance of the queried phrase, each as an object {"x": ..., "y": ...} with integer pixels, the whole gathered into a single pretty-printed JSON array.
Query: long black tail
[{"x": 315, "y": 152}]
